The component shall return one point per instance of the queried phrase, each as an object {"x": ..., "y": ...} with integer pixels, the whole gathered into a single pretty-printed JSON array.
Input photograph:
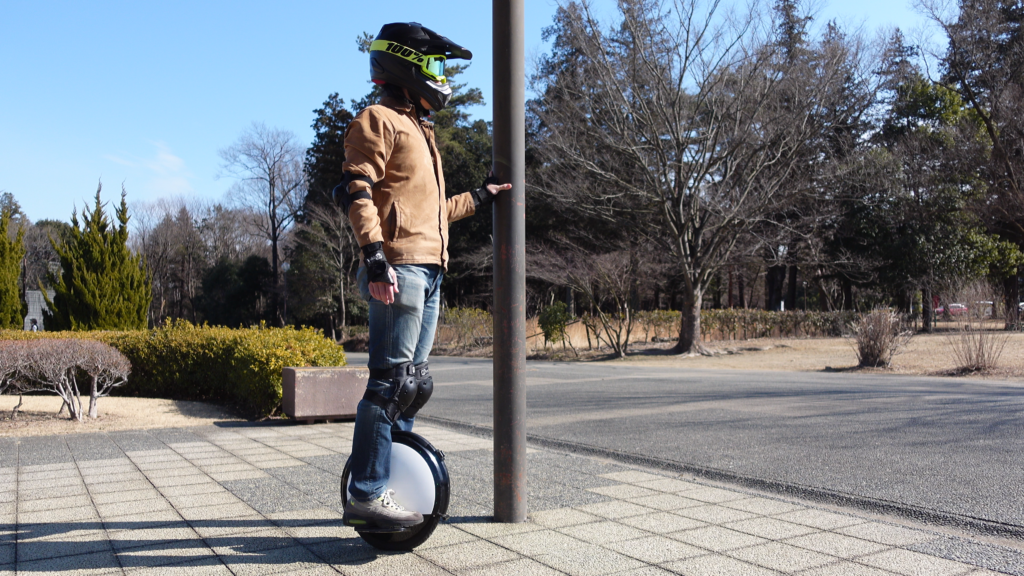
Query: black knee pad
[
  {"x": 403, "y": 392},
  {"x": 424, "y": 388}
]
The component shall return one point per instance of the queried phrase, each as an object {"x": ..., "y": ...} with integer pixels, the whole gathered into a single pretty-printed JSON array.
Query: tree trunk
[
  {"x": 689, "y": 330},
  {"x": 791, "y": 289},
  {"x": 1011, "y": 294},
  {"x": 847, "y": 294},
  {"x": 927, "y": 311},
  {"x": 773, "y": 285},
  {"x": 94, "y": 410},
  {"x": 741, "y": 288}
]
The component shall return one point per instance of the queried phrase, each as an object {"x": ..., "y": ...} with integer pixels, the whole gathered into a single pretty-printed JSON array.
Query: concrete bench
[{"x": 311, "y": 394}]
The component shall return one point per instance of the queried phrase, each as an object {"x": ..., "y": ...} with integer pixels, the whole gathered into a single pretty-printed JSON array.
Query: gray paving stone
[
  {"x": 911, "y": 563},
  {"x": 887, "y": 534},
  {"x": 53, "y": 503},
  {"x": 216, "y": 512},
  {"x": 713, "y": 514},
  {"x": 207, "y": 487},
  {"x": 523, "y": 566},
  {"x": 122, "y": 496},
  {"x": 662, "y": 522},
  {"x": 560, "y": 517},
  {"x": 837, "y": 545},
  {"x": 603, "y": 532},
  {"x": 223, "y": 527},
  {"x": 713, "y": 565},
  {"x": 163, "y": 553},
  {"x": 588, "y": 560},
  {"x": 204, "y": 567},
  {"x": 763, "y": 506},
  {"x": 181, "y": 480},
  {"x": 118, "y": 509},
  {"x": 770, "y": 528},
  {"x": 712, "y": 495},
  {"x": 252, "y": 542},
  {"x": 208, "y": 499},
  {"x": 27, "y": 495},
  {"x": 782, "y": 557},
  {"x": 537, "y": 542},
  {"x": 81, "y": 514},
  {"x": 459, "y": 557},
  {"x": 820, "y": 519},
  {"x": 85, "y": 447},
  {"x": 656, "y": 549},
  {"x": 126, "y": 538},
  {"x": 119, "y": 486},
  {"x": 50, "y": 481},
  {"x": 273, "y": 561},
  {"x": 269, "y": 495},
  {"x": 846, "y": 568},
  {"x": 173, "y": 469},
  {"x": 615, "y": 509},
  {"x": 83, "y": 565},
  {"x": 6, "y": 553},
  {"x": 30, "y": 553},
  {"x": 716, "y": 538},
  {"x": 37, "y": 450}
]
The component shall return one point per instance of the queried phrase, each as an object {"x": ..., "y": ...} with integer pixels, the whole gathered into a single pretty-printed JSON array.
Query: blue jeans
[{"x": 399, "y": 332}]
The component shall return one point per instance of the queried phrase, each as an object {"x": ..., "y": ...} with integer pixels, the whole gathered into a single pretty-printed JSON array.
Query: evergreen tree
[
  {"x": 101, "y": 285},
  {"x": 12, "y": 251}
]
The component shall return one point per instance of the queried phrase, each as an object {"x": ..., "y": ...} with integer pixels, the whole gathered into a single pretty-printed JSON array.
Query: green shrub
[
  {"x": 552, "y": 321},
  {"x": 182, "y": 361}
]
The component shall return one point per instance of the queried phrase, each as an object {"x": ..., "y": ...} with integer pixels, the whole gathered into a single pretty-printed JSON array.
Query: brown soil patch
[{"x": 38, "y": 415}]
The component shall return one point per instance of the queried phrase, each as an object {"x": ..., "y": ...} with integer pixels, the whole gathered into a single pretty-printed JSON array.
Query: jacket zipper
[{"x": 440, "y": 195}]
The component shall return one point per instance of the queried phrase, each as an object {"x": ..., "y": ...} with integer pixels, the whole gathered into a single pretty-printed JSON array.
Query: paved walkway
[{"x": 260, "y": 500}]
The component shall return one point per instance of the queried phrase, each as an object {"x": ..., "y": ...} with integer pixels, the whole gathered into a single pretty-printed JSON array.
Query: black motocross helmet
[{"x": 412, "y": 56}]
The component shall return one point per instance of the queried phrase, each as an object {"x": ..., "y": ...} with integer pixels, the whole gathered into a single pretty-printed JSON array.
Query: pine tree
[
  {"x": 12, "y": 251},
  {"x": 101, "y": 284}
]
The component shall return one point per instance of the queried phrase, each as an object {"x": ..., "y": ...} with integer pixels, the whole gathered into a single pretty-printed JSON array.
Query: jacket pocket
[{"x": 396, "y": 221}]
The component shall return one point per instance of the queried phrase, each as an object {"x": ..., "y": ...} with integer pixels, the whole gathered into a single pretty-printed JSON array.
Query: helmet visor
[{"x": 431, "y": 66}]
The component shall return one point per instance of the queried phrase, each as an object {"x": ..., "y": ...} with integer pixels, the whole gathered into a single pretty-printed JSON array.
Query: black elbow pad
[{"x": 343, "y": 198}]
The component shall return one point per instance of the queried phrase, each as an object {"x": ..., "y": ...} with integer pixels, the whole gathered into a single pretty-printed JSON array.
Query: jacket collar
[{"x": 404, "y": 106}]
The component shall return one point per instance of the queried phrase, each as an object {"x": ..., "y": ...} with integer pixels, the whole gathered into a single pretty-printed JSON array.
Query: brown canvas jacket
[{"x": 389, "y": 144}]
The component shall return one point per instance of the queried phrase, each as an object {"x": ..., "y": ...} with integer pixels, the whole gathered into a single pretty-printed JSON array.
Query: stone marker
[{"x": 323, "y": 393}]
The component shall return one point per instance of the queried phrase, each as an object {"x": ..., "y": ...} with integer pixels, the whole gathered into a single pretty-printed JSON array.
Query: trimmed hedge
[{"x": 182, "y": 361}]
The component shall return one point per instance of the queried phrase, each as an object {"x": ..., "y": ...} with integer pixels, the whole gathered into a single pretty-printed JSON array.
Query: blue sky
[{"x": 146, "y": 93}]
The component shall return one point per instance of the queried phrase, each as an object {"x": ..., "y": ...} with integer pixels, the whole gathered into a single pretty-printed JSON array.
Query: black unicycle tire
[{"x": 408, "y": 539}]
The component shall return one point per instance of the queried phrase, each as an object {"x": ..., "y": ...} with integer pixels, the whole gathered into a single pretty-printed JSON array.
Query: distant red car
[{"x": 954, "y": 310}]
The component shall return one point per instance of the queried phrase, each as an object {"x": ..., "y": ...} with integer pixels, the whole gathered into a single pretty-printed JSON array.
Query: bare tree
[
  {"x": 270, "y": 183},
  {"x": 11, "y": 364},
  {"x": 684, "y": 122},
  {"x": 55, "y": 365},
  {"x": 52, "y": 366},
  {"x": 106, "y": 368},
  {"x": 327, "y": 235}
]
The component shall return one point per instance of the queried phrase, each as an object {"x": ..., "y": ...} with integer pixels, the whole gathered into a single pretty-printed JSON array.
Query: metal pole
[{"x": 509, "y": 263}]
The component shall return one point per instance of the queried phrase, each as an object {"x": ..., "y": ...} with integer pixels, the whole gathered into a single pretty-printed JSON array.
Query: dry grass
[
  {"x": 926, "y": 354},
  {"x": 38, "y": 415}
]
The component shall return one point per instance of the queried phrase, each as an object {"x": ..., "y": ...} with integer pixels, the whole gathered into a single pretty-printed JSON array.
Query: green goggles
[{"x": 432, "y": 66}]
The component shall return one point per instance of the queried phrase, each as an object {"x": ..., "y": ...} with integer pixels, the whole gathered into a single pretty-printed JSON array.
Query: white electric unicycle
[{"x": 420, "y": 480}]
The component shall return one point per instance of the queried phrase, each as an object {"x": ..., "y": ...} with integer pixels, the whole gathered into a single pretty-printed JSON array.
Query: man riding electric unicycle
[{"x": 393, "y": 192}]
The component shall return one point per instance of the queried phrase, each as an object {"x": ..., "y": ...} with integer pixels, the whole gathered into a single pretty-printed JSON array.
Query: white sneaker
[{"x": 382, "y": 512}]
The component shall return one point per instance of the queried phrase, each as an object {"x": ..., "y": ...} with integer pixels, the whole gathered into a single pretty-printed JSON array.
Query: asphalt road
[{"x": 950, "y": 446}]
